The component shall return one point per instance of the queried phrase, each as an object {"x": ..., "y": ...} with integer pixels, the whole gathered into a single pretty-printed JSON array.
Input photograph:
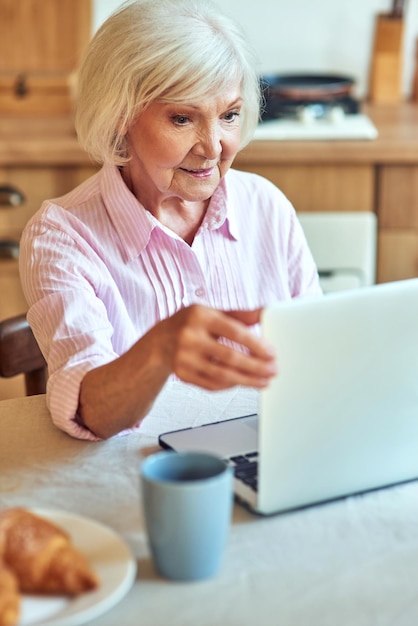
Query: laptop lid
[{"x": 341, "y": 417}]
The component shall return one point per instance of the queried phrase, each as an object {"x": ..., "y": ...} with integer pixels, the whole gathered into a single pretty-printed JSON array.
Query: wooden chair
[{"x": 20, "y": 354}]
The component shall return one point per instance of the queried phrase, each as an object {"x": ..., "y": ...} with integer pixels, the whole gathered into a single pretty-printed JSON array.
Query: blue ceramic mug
[{"x": 187, "y": 502}]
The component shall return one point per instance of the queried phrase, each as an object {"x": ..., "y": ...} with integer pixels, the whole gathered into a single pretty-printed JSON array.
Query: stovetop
[
  {"x": 277, "y": 107},
  {"x": 337, "y": 126},
  {"x": 337, "y": 118}
]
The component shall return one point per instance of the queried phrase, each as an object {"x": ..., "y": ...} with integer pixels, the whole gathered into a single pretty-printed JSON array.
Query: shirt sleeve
[{"x": 60, "y": 282}]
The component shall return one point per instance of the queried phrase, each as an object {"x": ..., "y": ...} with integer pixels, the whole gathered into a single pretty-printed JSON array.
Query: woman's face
[{"x": 183, "y": 150}]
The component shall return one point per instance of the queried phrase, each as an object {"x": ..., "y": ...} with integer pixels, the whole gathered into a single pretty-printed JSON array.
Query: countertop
[
  {"x": 397, "y": 142},
  {"x": 52, "y": 141}
]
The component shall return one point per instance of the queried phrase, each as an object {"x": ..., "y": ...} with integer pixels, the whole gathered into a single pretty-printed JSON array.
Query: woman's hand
[{"x": 216, "y": 350}]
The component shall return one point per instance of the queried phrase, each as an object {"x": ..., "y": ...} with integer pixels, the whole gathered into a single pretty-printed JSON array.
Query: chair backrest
[
  {"x": 344, "y": 247},
  {"x": 20, "y": 354}
]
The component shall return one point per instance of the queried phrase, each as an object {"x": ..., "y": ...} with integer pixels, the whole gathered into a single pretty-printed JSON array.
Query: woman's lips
[{"x": 201, "y": 173}]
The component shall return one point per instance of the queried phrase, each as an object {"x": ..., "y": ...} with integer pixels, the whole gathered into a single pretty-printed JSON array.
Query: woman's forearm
[{"x": 118, "y": 395}]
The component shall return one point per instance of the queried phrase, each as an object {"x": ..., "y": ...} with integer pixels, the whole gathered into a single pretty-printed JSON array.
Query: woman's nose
[{"x": 209, "y": 143}]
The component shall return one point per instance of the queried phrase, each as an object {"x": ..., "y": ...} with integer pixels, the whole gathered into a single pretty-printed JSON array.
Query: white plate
[{"x": 110, "y": 558}]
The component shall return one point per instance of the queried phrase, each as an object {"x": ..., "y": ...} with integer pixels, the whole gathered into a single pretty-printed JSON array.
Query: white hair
[{"x": 173, "y": 50}]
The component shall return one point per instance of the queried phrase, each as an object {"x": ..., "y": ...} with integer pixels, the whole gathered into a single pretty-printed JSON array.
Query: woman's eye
[
  {"x": 231, "y": 116},
  {"x": 181, "y": 120}
]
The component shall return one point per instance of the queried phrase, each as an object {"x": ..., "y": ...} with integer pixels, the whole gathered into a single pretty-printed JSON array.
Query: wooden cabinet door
[
  {"x": 43, "y": 35},
  {"x": 398, "y": 255},
  {"x": 41, "y": 45},
  {"x": 34, "y": 184},
  {"x": 321, "y": 187},
  {"x": 398, "y": 222}
]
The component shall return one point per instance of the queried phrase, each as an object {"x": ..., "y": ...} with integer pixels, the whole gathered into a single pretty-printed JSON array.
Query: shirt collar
[
  {"x": 221, "y": 213},
  {"x": 134, "y": 224}
]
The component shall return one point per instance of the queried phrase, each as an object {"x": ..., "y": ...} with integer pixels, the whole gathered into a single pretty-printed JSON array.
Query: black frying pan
[{"x": 307, "y": 87}]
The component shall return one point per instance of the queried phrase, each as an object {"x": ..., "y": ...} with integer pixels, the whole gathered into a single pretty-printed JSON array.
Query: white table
[{"x": 351, "y": 562}]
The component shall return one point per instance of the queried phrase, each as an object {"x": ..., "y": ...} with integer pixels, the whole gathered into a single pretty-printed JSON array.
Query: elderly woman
[{"x": 158, "y": 266}]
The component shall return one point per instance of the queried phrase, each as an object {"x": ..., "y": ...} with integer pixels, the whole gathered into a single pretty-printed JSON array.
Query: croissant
[
  {"x": 9, "y": 597},
  {"x": 42, "y": 556}
]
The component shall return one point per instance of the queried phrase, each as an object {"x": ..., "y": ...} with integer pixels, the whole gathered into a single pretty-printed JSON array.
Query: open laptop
[{"x": 341, "y": 417}]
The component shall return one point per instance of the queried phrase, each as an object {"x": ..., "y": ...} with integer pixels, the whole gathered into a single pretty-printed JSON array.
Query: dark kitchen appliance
[{"x": 288, "y": 95}]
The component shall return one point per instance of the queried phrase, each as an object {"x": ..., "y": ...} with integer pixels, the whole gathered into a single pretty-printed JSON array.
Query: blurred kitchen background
[{"x": 320, "y": 36}]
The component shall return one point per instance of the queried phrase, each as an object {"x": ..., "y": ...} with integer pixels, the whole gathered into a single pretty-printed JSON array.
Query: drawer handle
[
  {"x": 10, "y": 196},
  {"x": 9, "y": 249},
  {"x": 21, "y": 88}
]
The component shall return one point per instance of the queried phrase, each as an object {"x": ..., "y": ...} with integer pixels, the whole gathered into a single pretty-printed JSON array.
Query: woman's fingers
[{"x": 216, "y": 350}]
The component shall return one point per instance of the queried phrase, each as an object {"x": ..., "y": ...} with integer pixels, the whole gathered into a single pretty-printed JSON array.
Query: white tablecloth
[{"x": 352, "y": 562}]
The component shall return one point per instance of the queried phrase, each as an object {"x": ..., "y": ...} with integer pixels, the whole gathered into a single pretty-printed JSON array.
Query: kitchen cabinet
[{"x": 41, "y": 158}]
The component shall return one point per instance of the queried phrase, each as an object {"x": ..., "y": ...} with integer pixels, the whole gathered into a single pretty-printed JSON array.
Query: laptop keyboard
[{"x": 245, "y": 468}]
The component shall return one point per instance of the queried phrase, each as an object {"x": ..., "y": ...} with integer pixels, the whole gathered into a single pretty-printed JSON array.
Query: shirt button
[{"x": 200, "y": 292}]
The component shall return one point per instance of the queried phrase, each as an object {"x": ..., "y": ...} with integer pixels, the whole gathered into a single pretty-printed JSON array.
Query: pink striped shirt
[{"x": 98, "y": 271}]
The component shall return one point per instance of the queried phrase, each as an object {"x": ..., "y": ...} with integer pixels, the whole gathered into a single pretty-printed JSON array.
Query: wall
[{"x": 320, "y": 36}]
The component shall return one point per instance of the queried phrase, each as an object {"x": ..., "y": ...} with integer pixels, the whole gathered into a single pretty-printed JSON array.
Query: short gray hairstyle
[{"x": 172, "y": 50}]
